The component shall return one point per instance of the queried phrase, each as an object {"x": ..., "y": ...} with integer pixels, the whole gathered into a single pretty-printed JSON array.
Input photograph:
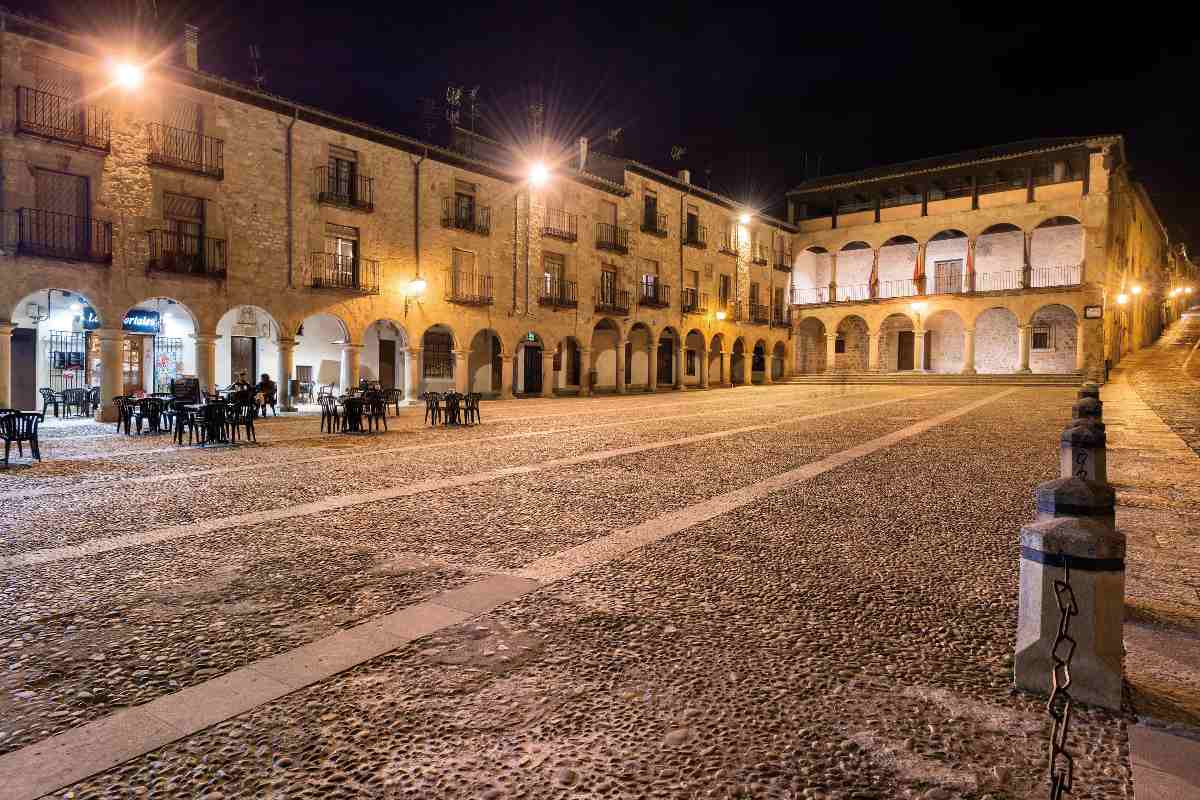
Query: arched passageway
[
  {"x": 248, "y": 343},
  {"x": 810, "y": 347},
  {"x": 898, "y": 350},
  {"x": 695, "y": 358},
  {"x": 385, "y": 356},
  {"x": 1053, "y": 340},
  {"x": 485, "y": 363},
  {"x": 531, "y": 376},
  {"x": 608, "y": 357},
  {"x": 638, "y": 357},
  {"x": 851, "y": 349},
  {"x": 438, "y": 362},
  {"x": 53, "y": 347},
  {"x": 778, "y": 361},
  {"x": 758, "y": 362},
  {"x": 668, "y": 355},
  {"x": 945, "y": 342},
  {"x": 716, "y": 361},
  {"x": 568, "y": 366},
  {"x": 739, "y": 370},
  {"x": 997, "y": 347}
]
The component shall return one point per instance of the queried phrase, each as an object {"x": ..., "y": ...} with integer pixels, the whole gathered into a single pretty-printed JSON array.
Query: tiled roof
[{"x": 952, "y": 160}]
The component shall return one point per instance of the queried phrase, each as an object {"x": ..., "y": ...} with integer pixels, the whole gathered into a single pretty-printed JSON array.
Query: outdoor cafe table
[
  {"x": 214, "y": 416},
  {"x": 352, "y": 413}
]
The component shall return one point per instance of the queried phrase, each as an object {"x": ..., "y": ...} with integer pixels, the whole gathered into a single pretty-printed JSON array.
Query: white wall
[
  {"x": 369, "y": 367},
  {"x": 947, "y": 342},
  {"x": 945, "y": 250},
  {"x": 266, "y": 347},
  {"x": 853, "y": 269},
  {"x": 896, "y": 263},
  {"x": 316, "y": 348},
  {"x": 605, "y": 342},
  {"x": 1061, "y": 245},
  {"x": 1000, "y": 252}
]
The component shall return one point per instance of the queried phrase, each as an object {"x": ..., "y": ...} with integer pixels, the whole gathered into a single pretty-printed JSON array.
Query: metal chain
[{"x": 1059, "y": 706}]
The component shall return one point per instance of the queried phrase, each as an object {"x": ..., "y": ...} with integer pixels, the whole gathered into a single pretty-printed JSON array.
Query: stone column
[
  {"x": 830, "y": 351},
  {"x": 413, "y": 367},
  {"x": 768, "y": 366},
  {"x": 652, "y": 368},
  {"x": 547, "y": 374},
  {"x": 679, "y": 367},
  {"x": 350, "y": 372},
  {"x": 874, "y": 339},
  {"x": 206, "y": 360},
  {"x": 919, "y": 350},
  {"x": 6, "y": 365},
  {"x": 507, "y": 369},
  {"x": 1023, "y": 348},
  {"x": 1080, "y": 345},
  {"x": 461, "y": 378},
  {"x": 585, "y": 365},
  {"x": 112, "y": 342},
  {"x": 703, "y": 368},
  {"x": 726, "y": 368},
  {"x": 621, "y": 367},
  {"x": 287, "y": 362},
  {"x": 968, "y": 367}
]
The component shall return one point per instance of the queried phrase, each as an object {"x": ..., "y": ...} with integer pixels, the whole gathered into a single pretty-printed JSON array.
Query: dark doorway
[
  {"x": 904, "y": 351},
  {"x": 533, "y": 369},
  {"x": 666, "y": 365},
  {"x": 24, "y": 369},
  {"x": 242, "y": 352},
  {"x": 927, "y": 349},
  {"x": 628, "y": 362},
  {"x": 387, "y": 363},
  {"x": 497, "y": 365},
  {"x": 573, "y": 365}
]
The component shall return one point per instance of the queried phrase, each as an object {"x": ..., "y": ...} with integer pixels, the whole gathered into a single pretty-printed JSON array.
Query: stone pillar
[
  {"x": 507, "y": 369},
  {"x": 830, "y": 351},
  {"x": 874, "y": 338},
  {"x": 703, "y": 368},
  {"x": 350, "y": 371},
  {"x": 461, "y": 378},
  {"x": 768, "y": 366},
  {"x": 6, "y": 365},
  {"x": 547, "y": 373},
  {"x": 679, "y": 367},
  {"x": 1073, "y": 557},
  {"x": 206, "y": 360},
  {"x": 968, "y": 367},
  {"x": 585, "y": 367},
  {"x": 287, "y": 365},
  {"x": 112, "y": 342},
  {"x": 620, "y": 367},
  {"x": 1023, "y": 347},
  {"x": 726, "y": 368},
  {"x": 651, "y": 368},
  {"x": 1080, "y": 345},
  {"x": 413, "y": 366},
  {"x": 919, "y": 350}
]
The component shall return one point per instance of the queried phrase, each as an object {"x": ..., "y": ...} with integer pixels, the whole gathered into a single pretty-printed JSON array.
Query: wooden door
[
  {"x": 533, "y": 369},
  {"x": 628, "y": 363},
  {"x": 242, "y": 351},
  {"x": 666, "y": 366},
  {"x": 927, "y": 349},
  {"x": 131, "y": 365},
  {"x": 24, "y": 369},
  {"x": 904, "y": 351},
  {"x": 387, "y": 363}
]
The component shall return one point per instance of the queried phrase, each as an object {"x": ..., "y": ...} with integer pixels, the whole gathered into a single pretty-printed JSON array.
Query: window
[
  {"x": 691, "y": 361},
  {"x": 341, "y": 246},
  {"x": 436, "y": 359},
  {"x": 184, "y": 217},
  {"x": 608, "y": 285},
  {"x": 693, "y": 223},
  {"x": 649, "y": 271},
  {"x": 304, "y": 373},
  {"x": 839, "y": 345},
  {"x": 184, "y": 115},
  {"x": 464, "y": 204},
  {"x": 61, "y": 193},
  {"x": 724, "y": 290},
  {"x": 693, "y": 279},
  {"x": 650, "y": 210},
  {"x": 754, "y": 293},
  {"x": 554, "y": 267},
  {"x": 1042, "y": 338},
  {"x": 343, "y": 167},
  {"x": 461, "y": 272}
]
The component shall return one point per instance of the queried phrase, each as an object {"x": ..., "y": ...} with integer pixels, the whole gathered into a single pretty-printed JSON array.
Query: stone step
[{"x": 937, "y": 379}]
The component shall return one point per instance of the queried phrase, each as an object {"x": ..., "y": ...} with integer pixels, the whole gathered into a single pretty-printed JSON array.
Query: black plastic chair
[
  {"x": 150, "y": 411},
  {"x": 352, "y": 414},
  {"x": 375, "y": 410},
  {"x": 433, "y": 408},
  {"x": 21, "y": 427},
  {"x": 125, "y": 407},
  {"x": 49, "y": 398},
  {"x": 240, "y": 417},
  {"x": 394, "y": 397},
  {"x": 453, "y": 412},
  {"x": 331, "y": 418},
  {"x": 471, "y": 408}
]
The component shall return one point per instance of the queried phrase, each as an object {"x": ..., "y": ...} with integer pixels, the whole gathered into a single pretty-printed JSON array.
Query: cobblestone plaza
[{"x": 778, "y": 591}]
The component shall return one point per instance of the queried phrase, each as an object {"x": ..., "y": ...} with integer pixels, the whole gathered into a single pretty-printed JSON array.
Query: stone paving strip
[
  {"x": 127, "y": 626},
  {"x": 364, "y": 444},
  {"x": 352, "y": 499},
  {"x": 70, "y": 756}
]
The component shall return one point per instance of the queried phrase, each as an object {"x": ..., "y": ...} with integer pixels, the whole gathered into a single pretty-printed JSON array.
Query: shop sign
[{"x": 136, "y": 321}]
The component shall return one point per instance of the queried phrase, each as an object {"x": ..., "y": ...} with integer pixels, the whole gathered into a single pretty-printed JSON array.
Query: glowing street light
[
  {"x": 1122, "y": 299},
  {"x": 538, "y": 174},
  {"x": 918, "y": 307},
  {"x": 128, "y": 76},
  {"x": 745, "y": 218},
  {"x": 416, "y": 287},
  {"x": 720, "y": 315},
  {"x": 1136, "y": 289},
  {"x": 1187, "y": 290}
]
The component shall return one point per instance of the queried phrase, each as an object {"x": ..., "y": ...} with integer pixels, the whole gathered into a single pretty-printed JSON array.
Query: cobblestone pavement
[
  {"x": 1168, "y": 379},
  {"x": 846, "y": 636}
]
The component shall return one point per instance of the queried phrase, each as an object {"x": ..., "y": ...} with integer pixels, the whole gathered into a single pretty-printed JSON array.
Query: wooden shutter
[{"x": 61, "y": 193}]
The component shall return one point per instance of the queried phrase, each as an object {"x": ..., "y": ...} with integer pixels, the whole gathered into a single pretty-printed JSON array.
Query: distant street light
[
  {"x": 538, "y": 174},
  {"x": 128, "y": 76}
]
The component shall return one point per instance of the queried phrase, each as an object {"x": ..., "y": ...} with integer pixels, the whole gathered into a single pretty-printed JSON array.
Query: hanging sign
[
  {"x": 138, "y": 320},
  {"x": 1093, "y": 312}
]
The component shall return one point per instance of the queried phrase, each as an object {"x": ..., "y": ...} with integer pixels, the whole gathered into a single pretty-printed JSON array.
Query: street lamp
[
  {"x": 1136, "y": 289},
  {"x": 1122, "y": 299},
  {"x": 720, "y": 316},
  {"x": 745, "y": 218},
  {"x": 126, "y": 75},
  {"x": 538, "y": 174}
]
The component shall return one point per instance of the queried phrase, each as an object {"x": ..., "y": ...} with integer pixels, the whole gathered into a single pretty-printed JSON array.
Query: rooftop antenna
[
  {"x": 678, "y": 152},
  {"x": 473, "y": 106},
  {"x": 537, "y": 120},
  {"x": 453, "y": 105},
  {"x": 256, "y": 65}
]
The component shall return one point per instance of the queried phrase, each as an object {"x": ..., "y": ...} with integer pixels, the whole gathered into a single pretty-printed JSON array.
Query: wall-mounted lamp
[
  {"x": 745, "y": 218},
  {"x": 1136, "y": 289},
  {"x": 720, "y": 316},
  {"x": 538, "y": 174},
  {"x": 1122, "y": 299},
  {"x": 413, "y": 292},
  {"x": 1187, "y": 290},
  {"x": 126, "y": 75}
]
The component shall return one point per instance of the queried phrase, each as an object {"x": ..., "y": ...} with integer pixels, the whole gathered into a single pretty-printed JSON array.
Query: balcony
[
  {"x": 561, "y": 225},
  {"x": 1041, "y": 277},
  {"x": 189, "y": 151},
  {"x": 345, "y": 191},
  {"x": 810, "y": 297},
  {"x": 468, "y": 288},
  {"x": 62, "y": 119},
  {"x": 344, "y": 273},
  {"x": 557, "y": 292},
  {"x": 853, "y": 293},
  {"x": 904, "y": 287},
  {"x": 760, "y": 255},
  {"x": 695, "y": 235},
  {"x": 783, "y": 261},
  {"x": 693, "y": 301},
  {"x": 654, "y": 224},
  {"x": 654, "y": 294},
  {"x": 49, "y": 234},
  {"x": 466, "y": 217},
  {"x": 185, "y": 254},
  {"x": 610, "y": 300},
  {"x": 729, "y": 243},
  {"x": 781, "y": 316},
  {"x": 998, "y": 281},
  {"x": 612, "y": 237},
  {"x": 759, "y": 314}
]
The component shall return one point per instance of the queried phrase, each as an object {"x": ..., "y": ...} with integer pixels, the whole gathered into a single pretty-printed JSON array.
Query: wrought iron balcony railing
[
  {"x": 50, "y": 234},
  {"x": 557, "y": 292},
  {"x": 186, "y": 150},
  {"x": 853, "y": 292},
  {"x": 810, "y": 297},
  {"x": 729, "y": 242},
  {"x": 693, "y": 301},
  {"x": 654, "y": 224},
  {"x": 904, "y": 287},
  {"x": 997, "y": 281},
  {"x": 695, "y": 236},
  {"x": 761, "y": 255},
  {"x": 1066, "y": 275},
  {"x": 62, "y": 119},
  {"x": 783, "y": 261},
  {"x": 185, "y": 254},
  {"x": 610, "y": 300},
  {"x": 945, "y": 284},
  {"x": 466, "y": 217},
  {"x": 468, "y": 288},
  {"x": 345, "y": 273},
  {"x": 612, "y": 237},
  {"x": 759, "y": 314},
  {"x": 781, "y": 316},
  {"x": 347, "y": 191},
  {"x": 654, "y": 294},
  {"x": 561, "y": 225}
]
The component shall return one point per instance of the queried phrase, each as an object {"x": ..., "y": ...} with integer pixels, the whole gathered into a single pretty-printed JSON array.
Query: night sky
[{"x": 758, "y": 97}]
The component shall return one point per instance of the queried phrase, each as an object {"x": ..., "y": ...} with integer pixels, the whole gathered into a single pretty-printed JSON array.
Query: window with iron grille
[
  {"x": 464, "y": 203},
  {"x": 343, "y": 167},
  {"x": 66, "y": 360},
  {"x": 690, "y": 361},
  {"x": 304, "y": 373},
  {"x": 754, "y": 293},
  {"x": 436, "y": 356},
  {"x": 839, "y": 345},
  {"x": 724, "y": 290},
  {"x": 1042, "y": 338},
  {"x": 184, "y": 217}
]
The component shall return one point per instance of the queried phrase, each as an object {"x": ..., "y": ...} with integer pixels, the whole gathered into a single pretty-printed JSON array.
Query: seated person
[{"x": 264, "y": 394}]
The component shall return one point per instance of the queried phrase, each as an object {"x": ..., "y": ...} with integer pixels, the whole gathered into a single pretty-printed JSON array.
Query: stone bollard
[{"x": 1076, "y": 529}]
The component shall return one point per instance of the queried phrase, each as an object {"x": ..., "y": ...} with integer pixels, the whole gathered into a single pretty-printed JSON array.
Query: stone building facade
[{"x": 192, "y": 225}]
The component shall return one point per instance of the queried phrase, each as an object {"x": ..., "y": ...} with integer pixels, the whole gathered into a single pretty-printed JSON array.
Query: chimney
[
  {"x": 191, "y": 46},
  {"x": 583, "y": 143},
  {"x": 685, "y": 175}
]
